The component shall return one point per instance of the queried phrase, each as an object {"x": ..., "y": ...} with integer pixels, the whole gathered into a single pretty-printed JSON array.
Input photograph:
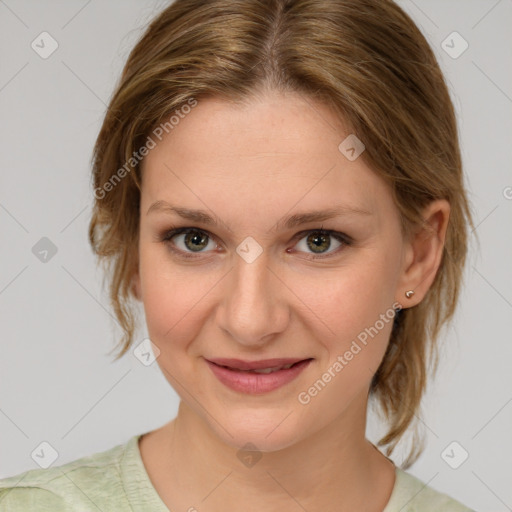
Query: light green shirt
[{"x": 116, "y": 481}]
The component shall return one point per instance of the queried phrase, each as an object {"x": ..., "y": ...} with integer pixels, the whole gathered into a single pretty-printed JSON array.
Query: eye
[
  {"x": 320, "y": 241},
  {"x": 194, "y": 240}
]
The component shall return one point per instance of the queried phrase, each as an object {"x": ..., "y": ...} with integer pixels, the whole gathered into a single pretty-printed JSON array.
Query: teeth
[
  {"x": 270, "y": 370},
  {"x": 266, "y": 370}
]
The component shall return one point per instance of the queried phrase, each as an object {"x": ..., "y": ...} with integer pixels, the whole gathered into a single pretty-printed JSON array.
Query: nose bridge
[{"x": 253, "y": 307}]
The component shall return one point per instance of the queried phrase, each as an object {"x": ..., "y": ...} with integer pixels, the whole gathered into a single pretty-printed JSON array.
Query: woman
[{"x": 279, "y": 184}]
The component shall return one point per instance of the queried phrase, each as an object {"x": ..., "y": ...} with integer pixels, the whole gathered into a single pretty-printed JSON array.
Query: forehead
[
  {"x": 273, "y": 123},
  {"x": 277, "y": 149}
]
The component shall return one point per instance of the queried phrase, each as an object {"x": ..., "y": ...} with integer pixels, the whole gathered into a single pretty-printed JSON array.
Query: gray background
[{"x": 57, "y": 382}]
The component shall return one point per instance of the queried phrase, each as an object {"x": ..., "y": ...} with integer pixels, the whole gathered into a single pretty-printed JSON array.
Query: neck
[{"x": 336, "y": 468}]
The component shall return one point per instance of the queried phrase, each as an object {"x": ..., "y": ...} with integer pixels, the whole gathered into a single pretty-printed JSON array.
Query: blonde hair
[{"x": 369, "y": 62}]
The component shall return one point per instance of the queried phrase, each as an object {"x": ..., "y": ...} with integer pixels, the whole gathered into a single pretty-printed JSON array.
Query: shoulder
[
  {"x": 91, "y": 481},
  {"x": 410, "y": 494},
  {"x": 18, "y": 499}
]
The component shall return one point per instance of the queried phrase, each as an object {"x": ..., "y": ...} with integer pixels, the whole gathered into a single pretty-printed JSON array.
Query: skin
[{"x": 252, "y": 166}]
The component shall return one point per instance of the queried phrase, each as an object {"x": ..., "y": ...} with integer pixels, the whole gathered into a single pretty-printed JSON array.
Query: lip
[
  {"x": 256, "y": 383},
  {"x": 239, "y": 364}
]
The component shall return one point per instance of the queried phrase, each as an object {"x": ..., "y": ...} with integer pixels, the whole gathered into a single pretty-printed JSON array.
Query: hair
[{"x": 367, "y": 61}]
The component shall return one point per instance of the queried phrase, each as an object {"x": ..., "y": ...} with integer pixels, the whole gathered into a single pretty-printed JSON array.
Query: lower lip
[{"x": 256, "y": 383}]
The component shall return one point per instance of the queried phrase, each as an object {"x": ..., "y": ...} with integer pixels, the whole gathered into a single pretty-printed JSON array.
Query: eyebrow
[{"x": 288, "y": 222}]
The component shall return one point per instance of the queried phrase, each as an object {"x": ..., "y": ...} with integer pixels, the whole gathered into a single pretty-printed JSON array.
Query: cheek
[
  {"x": 174, "y": 300},
  {"x": 338, "y": 305},
  {"x": 362, "y": 324},
  {"x": 352, "y": 311},
  {"x": 347, "y": 300}
]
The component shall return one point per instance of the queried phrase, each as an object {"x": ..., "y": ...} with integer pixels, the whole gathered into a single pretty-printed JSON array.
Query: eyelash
[{"x": 344, "y": 239}]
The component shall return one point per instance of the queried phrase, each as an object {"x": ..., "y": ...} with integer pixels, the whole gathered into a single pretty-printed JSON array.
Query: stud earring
[{"x": 409, "y": 294}]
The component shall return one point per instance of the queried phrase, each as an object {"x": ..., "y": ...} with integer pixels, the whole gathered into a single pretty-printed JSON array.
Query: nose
[{"x": 253, "y": 310}]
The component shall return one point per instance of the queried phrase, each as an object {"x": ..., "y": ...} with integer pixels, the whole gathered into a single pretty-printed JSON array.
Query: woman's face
[{"x": 258, "y": 285}]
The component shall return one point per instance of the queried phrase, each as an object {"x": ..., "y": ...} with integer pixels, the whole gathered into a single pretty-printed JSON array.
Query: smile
[{"x": 257, "y": 377}]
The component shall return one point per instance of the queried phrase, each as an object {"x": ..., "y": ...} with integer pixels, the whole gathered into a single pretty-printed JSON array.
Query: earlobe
[{"x": 424, "y": 253}]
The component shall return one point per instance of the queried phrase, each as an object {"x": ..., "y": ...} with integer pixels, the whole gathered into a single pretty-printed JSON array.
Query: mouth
[
  {"x": 256, "y": 377},
  {"x": 262, "y": 366}
]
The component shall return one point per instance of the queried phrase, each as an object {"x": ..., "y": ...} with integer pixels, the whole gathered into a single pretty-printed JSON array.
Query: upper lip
[{"x": 239, "y": 364}]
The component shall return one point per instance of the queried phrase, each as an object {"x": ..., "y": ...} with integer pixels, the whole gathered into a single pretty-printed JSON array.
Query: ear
[{"x": 423, "y": 253}]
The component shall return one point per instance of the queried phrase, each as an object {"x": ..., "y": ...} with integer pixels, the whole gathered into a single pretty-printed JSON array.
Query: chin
[{"x": 267, "y": 430}]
